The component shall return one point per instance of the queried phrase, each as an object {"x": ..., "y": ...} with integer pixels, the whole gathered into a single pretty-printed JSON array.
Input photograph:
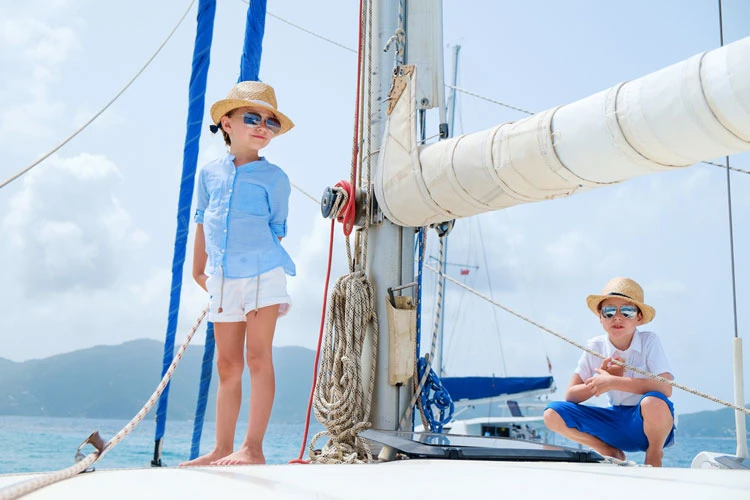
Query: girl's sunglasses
[
  {"x": 253, "y": 120},
  {"x": 628, "y": 311}
]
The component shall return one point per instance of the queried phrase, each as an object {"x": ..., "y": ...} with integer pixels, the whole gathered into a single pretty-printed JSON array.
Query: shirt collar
[
  {"x": 636, "y": 345},
  {"x": 230, "y": 161}
]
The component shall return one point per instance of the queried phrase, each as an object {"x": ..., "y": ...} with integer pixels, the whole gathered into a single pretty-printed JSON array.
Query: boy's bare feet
[
  {"x": 206, "y": 459},
  {"x": 243, "y": 456},
  {"x": 610, "y": 451},
  {"x": 653, "y": 457}
]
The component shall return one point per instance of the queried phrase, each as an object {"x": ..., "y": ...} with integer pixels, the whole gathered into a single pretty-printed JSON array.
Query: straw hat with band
[
  {"x": 257, "y": 94},
  {"x": 622, "y": 288}
]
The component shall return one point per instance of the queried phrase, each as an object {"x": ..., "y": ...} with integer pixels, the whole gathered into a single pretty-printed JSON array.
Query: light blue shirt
[{"x": 243, "y": 211}]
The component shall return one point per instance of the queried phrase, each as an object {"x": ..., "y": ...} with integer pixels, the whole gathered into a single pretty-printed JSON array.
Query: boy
[
  {"x": 641, "y": 417},
  {"x": 241, "y": 213}
]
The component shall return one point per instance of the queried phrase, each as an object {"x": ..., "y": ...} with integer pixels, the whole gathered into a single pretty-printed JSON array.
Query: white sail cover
[{"x": 689, "y": 112}]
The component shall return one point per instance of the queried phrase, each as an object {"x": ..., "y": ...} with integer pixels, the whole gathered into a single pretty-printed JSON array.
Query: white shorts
[{"x": 236, "y": 297}]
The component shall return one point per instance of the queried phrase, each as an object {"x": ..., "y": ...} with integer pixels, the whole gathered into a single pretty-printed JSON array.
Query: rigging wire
[
  {"x": 727, "y": 166},
  {"x": 729, "y": 205},
  {"x": 492, "y": 295},
  {"x": 96, "y": 115},
  {"x": 493, "y": 101},
  {"x": 316, "y": 35}
]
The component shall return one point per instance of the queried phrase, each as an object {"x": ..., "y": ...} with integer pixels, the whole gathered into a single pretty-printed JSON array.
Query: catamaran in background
[{"x": 693, "y": 111}]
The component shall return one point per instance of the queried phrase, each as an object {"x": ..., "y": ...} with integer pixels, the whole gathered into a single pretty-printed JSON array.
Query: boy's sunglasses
[
  {"x": 628, "y": 311},
  {"x": 253, "y": 119}
]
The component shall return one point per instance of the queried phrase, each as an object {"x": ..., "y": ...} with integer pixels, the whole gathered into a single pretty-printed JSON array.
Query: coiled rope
[
  {"x": 598, "y": 355},
  {"x": 25, "y": 487},
  {"x": 341, "y": 401}
]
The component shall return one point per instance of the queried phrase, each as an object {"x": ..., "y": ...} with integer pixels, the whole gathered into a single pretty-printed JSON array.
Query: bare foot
[
  {"x": 243, "y": 456},
  {"x": 653, "y": 457},
  {"x": 611, "y": 451},
  {"x": 206, "y": 459}
]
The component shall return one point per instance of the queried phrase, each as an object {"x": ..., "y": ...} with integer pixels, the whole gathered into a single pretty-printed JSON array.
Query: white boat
[{"x": 456, "y": 178}]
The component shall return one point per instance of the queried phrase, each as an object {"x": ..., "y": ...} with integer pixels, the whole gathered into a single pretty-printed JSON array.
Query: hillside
[
  {"x": 712, "y": 423},
  {"x": 115, "y": 382}
]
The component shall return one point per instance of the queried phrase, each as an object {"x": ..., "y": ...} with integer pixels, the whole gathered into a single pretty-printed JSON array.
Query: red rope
[
  {"x": 355, "y": 141},
  {"x": 348, "y": 213},
  {"x": 346, "y": 217},
  {"x": 299, "y": 460}
]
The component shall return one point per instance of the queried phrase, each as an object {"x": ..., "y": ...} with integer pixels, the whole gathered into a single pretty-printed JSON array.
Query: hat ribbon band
[
  {"x": 621, "y": 295},
  {"x": 262, "y": 103}
]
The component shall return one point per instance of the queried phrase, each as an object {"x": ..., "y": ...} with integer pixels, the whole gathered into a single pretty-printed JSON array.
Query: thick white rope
[
  {"x": 341, "y": 403},
  {"x": 598, "y": 355},
  {"x": 19, "y": 489}
]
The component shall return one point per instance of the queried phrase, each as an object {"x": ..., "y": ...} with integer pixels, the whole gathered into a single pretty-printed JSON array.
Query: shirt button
[{"x": 230, "y": 190}]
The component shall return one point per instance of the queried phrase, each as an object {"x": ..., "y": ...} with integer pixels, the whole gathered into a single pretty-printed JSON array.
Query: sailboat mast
[{"x": 390, "y": 247}]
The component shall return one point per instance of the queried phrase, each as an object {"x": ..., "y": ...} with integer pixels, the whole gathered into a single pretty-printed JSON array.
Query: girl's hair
[
  {"x": 227, "y": 140},
  {"x": 216, "y": 128}
]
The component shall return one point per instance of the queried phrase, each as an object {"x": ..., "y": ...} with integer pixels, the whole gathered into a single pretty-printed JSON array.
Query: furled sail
[
  {"x": 480, "y": 389},
  {"x": 692, "y": 111}
]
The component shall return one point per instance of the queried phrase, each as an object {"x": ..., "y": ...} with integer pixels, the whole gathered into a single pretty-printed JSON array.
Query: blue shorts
[{"x": 618, "y": 426}]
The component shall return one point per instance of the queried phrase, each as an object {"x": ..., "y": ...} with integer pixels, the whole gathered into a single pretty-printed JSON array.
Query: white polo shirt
[{"x": 645, "y": 353}]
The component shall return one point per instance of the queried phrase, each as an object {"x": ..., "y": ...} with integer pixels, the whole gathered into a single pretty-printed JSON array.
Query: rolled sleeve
[
  {"x": 198, "y": 218},
  {"x": 278, "y": 199},
  {"x": 201, "y": 199},
  {"x": 279, "y": 230}
]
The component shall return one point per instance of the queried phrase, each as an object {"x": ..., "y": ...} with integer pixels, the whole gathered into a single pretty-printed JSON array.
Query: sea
[{"x": 34, "y": 444}]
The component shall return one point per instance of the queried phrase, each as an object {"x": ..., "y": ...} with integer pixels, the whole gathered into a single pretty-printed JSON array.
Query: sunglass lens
[
  {"x": 252, "y": 119},
  {"x": 609, "y": 311},
  {"x": 629, "y": 312},
  {"x": 273, "y": 125}
]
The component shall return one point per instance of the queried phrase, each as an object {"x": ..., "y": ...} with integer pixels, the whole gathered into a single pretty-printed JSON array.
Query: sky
[{"x": 88, "y": 235}]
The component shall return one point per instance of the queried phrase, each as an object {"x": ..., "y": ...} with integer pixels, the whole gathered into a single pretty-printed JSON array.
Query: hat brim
[
  {"x": 647, "y": 311},
  {"x": 221, "y": 108}
]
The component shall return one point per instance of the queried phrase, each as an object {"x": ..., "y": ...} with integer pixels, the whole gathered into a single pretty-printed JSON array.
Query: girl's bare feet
[
  {"x": 243, "y": 456},
  {"x": 207, "y": 459}
]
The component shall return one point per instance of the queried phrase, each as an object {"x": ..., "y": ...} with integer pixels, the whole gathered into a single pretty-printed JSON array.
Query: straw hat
[
  {"x": 250, "y": 94},
  {"x": 623, "y": 288}
]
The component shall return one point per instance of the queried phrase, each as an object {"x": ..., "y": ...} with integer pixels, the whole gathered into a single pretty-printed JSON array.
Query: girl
[{"x": 241, "y": 213}]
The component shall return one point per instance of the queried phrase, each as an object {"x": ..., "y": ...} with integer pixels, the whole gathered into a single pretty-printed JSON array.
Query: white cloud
[
  {"x": 36, "y": 39},
  {"x": 78, "y": 236}
]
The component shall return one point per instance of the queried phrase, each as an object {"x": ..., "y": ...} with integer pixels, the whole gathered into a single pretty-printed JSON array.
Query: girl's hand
[{"x": 201, "y": 280}]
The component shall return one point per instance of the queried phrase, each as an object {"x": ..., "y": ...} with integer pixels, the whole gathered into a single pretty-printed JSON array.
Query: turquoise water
[{"x": 43, "y": 444}]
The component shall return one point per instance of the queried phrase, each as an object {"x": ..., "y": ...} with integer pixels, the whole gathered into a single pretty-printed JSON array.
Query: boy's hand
[
  {"x": 612, "y": 368},
  {"x": 201, "y": 280},
  {"x": 601, "y": 383}
]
